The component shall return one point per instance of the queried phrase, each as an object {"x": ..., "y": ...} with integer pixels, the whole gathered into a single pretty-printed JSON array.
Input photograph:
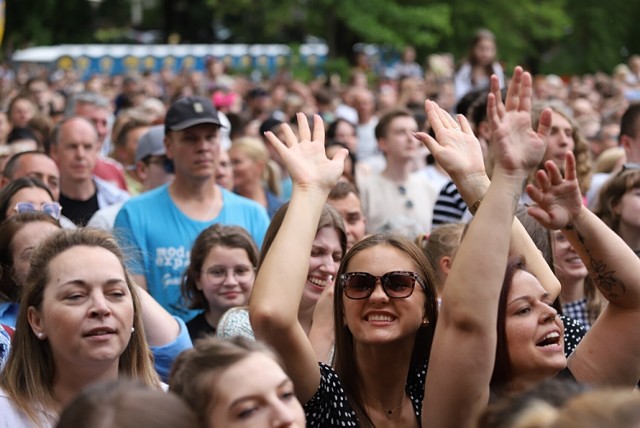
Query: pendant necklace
[{"x": 389, "y": 412}]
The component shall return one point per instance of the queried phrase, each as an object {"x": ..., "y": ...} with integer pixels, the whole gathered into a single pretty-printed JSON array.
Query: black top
[
  {"x": 329, "y": 407},
  {"x": 199, "y": 327},
  {"x": 574, "y": 331},
  {"x": 79, "y": 212}
]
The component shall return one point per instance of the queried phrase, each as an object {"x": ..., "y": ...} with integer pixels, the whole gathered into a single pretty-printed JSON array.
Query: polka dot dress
[
  {"x": 573, "y": 334},
  {"x": 329, "y": 406}
]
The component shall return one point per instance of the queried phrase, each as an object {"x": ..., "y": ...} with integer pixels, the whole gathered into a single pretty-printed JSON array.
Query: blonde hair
[
  {"x": 581, "y": 148},
  {"x": 30, "y": 370},
  {"x": 609, "y": 160},
  {"x": 444, "y": 240},
  {"x": 257, "y": 152}
]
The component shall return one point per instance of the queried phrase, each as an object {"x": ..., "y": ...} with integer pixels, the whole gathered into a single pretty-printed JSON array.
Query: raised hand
[
  {"x": 455, "y": 147},
  {"x": 305, "y": 158},
  {"x": 558, "y": 200},
  {"x": 516, "y": 146}
]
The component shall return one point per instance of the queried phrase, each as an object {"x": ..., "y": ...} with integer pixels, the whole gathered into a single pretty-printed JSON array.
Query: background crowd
[{"x": 152, "y": 226}]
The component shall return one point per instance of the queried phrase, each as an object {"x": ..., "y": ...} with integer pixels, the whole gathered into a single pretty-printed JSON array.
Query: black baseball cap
[{"x": 190, "y": 111}]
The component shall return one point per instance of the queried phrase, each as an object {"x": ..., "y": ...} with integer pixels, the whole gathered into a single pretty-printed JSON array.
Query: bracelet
[{"x": 473, "y": 209}]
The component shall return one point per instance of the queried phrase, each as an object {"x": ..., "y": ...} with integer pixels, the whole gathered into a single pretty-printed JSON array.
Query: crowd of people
[{"x": 429, "y": 246}]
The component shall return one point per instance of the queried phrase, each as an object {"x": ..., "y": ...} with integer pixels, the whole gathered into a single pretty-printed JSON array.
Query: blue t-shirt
[
  {"x": 160, "y": 236},
  {"x": 9, "y": 313}
]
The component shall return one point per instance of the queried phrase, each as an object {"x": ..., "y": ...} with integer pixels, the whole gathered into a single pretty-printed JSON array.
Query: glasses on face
[
  {"x": 162, "y": 161},
  {"x": 396, "y": 284},
  {"x": 54, "y": 209},
  {"x": 218, "y": 274}
]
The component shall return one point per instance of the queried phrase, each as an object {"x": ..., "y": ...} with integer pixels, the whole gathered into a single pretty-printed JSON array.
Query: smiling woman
[
  {"x": 220, "y": 275},
  {"x": 314, "y": 308},
  {"x": 79, "y": 322}
]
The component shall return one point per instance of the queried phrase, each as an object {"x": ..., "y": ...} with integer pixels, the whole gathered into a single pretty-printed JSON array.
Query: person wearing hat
[
  {"x": 163, "y": 223},
  {"x": 152, "y": 167}
]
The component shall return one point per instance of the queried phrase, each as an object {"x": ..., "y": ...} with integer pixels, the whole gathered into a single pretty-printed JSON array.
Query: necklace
[{"x": 389, "y": 412}]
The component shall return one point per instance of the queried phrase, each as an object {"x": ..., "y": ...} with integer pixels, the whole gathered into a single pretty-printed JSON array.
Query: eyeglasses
[
  {"x": 162, "y": 161},
  {"x": 218, "y": 274},
  {"x": 54, "y": 209},
  {"x": 396, "y": 284}
]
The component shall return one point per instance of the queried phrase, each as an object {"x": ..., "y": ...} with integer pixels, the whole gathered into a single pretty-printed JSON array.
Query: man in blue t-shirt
[{"x": 161, "y": 225}]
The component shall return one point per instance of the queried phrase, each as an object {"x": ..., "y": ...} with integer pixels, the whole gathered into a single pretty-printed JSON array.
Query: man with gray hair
[
  {"x": 74, "y": 148},
  {"x": 95, "y": 108}
]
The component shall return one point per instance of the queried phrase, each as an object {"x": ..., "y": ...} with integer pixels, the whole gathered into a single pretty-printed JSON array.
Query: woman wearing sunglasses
[
  {"x": 382, "y": 333},
  {"x": 27, "y": 194}
]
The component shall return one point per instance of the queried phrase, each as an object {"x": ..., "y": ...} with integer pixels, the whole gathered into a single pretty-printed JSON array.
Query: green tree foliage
[
  {"x": 524, "y": 30},
  {"x": 561, "y": 36},
  {"x": 601, "y": 36}
]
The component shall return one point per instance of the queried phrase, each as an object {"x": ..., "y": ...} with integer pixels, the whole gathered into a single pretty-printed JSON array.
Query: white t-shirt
[{"x": 11, "y": 417}]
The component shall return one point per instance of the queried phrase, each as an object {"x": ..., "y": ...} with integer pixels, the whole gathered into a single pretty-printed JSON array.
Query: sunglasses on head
[
  {"x": 54, "y": 209},
  {"x": 396, "y": 284}
]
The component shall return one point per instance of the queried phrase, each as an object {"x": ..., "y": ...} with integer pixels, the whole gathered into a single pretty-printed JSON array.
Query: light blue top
[
  {"x": 162, "y": 236},
  {"x": 9, "y": 313}
]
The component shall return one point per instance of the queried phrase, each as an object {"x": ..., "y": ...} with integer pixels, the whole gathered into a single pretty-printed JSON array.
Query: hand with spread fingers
[
  {"x": 455, "y": 147},
  {"x": 305, "y": 158},
  {"x": 517, "y": 148},
  {"x": 558, "y": 200}
]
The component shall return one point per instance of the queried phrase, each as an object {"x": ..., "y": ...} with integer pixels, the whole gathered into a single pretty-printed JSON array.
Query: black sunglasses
[{"x": 396, "y": 284}]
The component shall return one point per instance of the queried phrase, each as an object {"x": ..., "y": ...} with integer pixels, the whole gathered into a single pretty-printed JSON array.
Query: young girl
[
  {"x": 220, "y": 275},
  {"x": 480, "y": 64}
]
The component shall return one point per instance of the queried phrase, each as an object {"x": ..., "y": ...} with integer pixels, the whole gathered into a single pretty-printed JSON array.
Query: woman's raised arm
[
  {"x": 273, "y": 307},
  {"x": 463, "y": 352},
  {"x": 609, "y": 354}
]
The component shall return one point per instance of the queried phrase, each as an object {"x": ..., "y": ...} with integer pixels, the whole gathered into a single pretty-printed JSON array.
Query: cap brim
[{"x": 193, "y": 122}]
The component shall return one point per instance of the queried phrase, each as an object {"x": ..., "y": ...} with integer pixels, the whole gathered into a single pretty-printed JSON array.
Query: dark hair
[
  {"x": 329, "y": 217},
  {"x": 629, "y": 122},
  {"x": 12, "y": 163},
  {"x": 345, "y": 362},
  {"x": 463, "y": 106},
  {"x": 214, "y": 236},
  {"x": 17, "y": 134},
  {"x": 14, "y": 187},
  {"x": 341, "y": 190},
  {"x": 387, "y": 118},
  {"x": 9, "y": 290},
  {"x": 333, "y": 127},
  {"x": 126, "y": 404},
  {"x": 479, "y": 36},
  {"x": 502, "y": 370},
  {"x": 129, "y": 126},
  {"x": 350, "y": 175}
]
